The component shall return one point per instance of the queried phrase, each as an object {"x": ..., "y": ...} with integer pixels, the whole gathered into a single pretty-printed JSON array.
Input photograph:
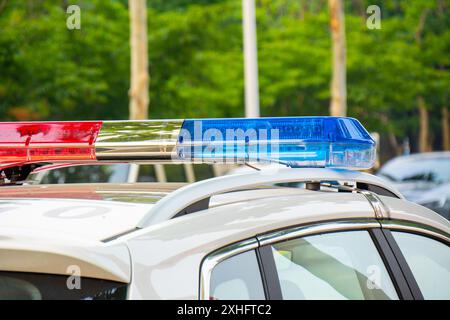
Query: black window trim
[
  {"x": 392, "y": 265},
  {"x": 269, "y": 273},
  {"x": 409, "y": 277}
]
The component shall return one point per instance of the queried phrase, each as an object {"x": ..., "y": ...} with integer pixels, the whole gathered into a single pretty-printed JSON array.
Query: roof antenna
[
  {"x": 247, "y": 155},
  {"x": 250, "y": 166}
]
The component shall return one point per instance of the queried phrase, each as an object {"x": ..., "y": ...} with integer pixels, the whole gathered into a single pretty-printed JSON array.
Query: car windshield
[{"x": 436, "y": 170}]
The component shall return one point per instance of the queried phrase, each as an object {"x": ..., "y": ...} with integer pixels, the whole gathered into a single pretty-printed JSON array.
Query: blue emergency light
[{"x": 337, "y": 142}]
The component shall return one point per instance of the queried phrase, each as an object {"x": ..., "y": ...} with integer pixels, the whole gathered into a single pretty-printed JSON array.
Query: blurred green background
[{"x": 48, "y": 72}]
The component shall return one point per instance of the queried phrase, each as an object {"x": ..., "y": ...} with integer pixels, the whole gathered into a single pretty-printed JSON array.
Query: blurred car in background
[{"x": 423, "y": 178}]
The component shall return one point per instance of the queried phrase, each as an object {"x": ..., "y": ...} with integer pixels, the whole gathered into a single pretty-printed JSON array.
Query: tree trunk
[
  {"x": 424, "y": 138},
  {"x": 445, "y": 130},
  {"x": 139, "y": 95},
  {"x": 338, "y": 104},
  {"x": 391, "y": 136},
  {"x": 358, "y": 7},
  {"x": 394, "y": 144}
]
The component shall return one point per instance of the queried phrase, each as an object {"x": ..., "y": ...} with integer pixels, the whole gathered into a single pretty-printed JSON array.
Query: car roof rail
[{"x": 195, "y": 197}]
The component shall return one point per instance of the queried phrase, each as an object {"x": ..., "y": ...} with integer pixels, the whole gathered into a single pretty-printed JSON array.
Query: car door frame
[
  {"x": 412, "y": 228},
  {"x": 262, "y": 245}
]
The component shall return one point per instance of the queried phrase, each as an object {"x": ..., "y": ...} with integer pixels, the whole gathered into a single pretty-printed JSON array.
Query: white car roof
[{"x": 76, "y": 219}]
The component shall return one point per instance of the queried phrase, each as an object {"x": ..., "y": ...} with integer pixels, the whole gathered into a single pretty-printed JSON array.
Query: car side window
[
  {"x": 341, "y": 265},
  {"x": 237, "y": 278},
  {"x": 429, "y": 261}
]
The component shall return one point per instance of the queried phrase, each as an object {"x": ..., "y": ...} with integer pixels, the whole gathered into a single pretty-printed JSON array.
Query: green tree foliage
[
  {"x": 50, "y": 72},
  {"x": 196, "y": 63}
]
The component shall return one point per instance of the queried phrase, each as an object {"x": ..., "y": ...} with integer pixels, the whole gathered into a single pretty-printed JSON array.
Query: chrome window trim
[
  {"x": 414, "y": 227},
  {"x": 214, "y": 258},
  {"x": 320, "y": 228},
  {"x": 380, "y": 209}
]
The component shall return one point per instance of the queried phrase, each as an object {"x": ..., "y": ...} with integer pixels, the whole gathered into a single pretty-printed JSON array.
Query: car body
[
  {"x": 423, "y": 178},
  {"x": 231, "y": 237}
]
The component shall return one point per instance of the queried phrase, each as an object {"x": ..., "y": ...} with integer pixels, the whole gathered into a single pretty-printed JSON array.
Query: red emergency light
[{"x": 48, "y": 141}]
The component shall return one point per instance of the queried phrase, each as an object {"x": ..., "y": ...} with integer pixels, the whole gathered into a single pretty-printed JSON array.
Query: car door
[
  {"x": 335, "y": 260},
  {"x": 423, "y": 254}
]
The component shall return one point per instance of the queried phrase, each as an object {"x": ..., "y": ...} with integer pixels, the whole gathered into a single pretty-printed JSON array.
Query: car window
[
  {"x": 429, "y": 261},
  {"x": 343, "y": 265},
  {"x": 237, "y": 278}
]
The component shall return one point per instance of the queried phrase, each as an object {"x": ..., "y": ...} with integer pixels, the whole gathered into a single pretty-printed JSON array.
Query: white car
[
  {"x": 423, "y": 178},
  {"x": 345, "y": 235}
]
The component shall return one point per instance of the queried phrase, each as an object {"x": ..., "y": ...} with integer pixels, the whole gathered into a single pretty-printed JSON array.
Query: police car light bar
[{"x": 336, "y": 142}]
